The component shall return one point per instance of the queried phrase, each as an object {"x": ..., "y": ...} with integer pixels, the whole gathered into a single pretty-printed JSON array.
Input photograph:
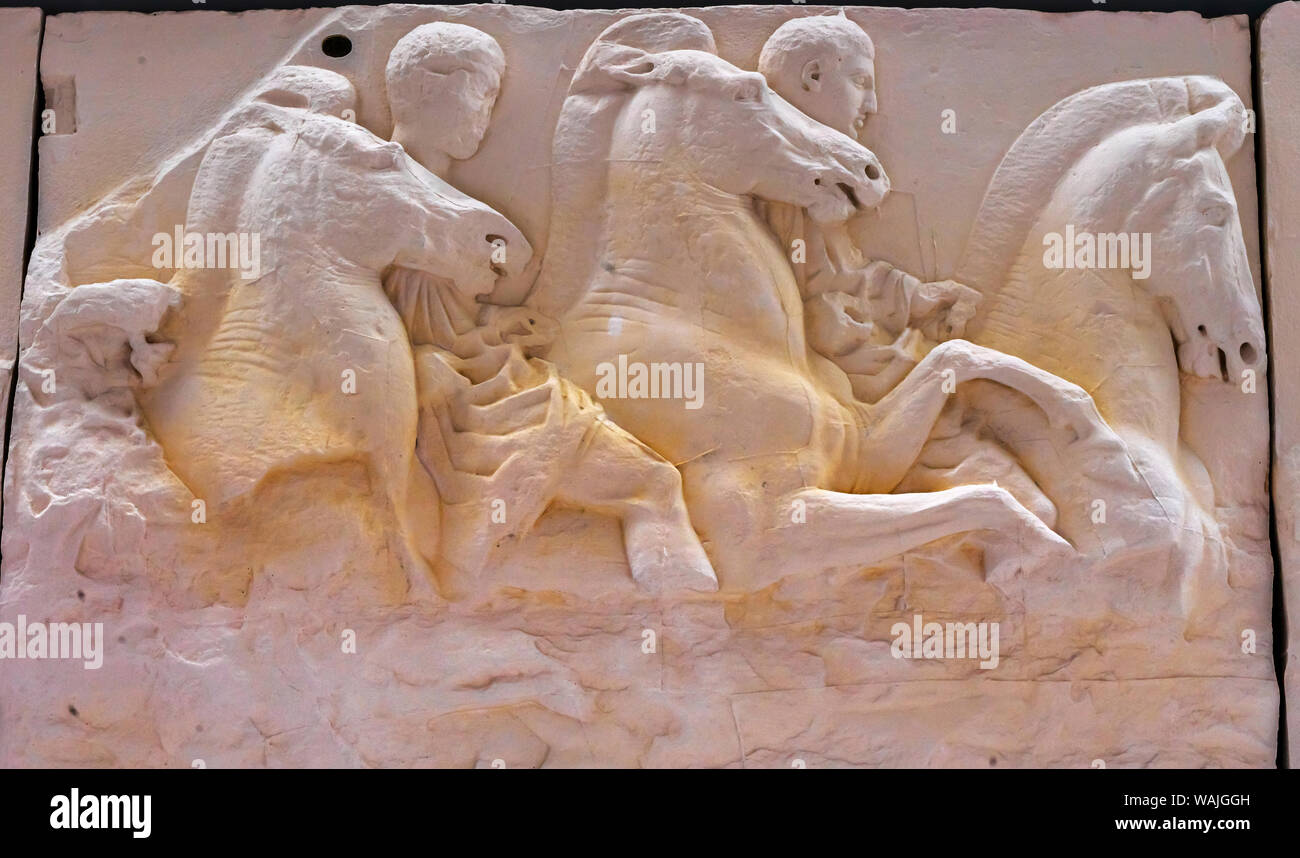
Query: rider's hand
[
  {"x": 523, "y": 326},
  {"x": 830, "y": 324},
  {"x": 942, "y": 309}
]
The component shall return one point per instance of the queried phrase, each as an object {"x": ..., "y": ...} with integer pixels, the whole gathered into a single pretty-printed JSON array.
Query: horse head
[
  {"x": 386, "y": 209},
  {"x": 705, "y": 120},
  {"x": 1200, "y": 269},
  {"x": 1168, "y": 181},
  {"x": 1141, "y": 159}
]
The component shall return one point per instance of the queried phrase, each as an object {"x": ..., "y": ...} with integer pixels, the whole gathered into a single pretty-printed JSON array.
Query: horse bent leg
[
  {"x": 616, "y": 474},
  {"x": 897, "y": 426},
  {"x": 900, "y": 423},
  {"x": 1107, "y": 497},
  {"x": 847, "y": 529},
  {"x": 958, "y": 454}
]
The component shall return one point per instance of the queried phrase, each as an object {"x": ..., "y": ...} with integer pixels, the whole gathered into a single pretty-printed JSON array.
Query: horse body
[
  {"x": 779, "y": 464},
  {"x": 668, "y": 293},
  {"x": 1138, "y": 158},
  {"x": 1130, "y": 378},
  {"x": 310, "y": 364}
]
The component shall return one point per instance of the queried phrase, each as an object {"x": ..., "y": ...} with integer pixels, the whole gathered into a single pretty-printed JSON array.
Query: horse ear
[
  {"x": 1217, "y": 118},
  {"x": 610, "y": 67}
]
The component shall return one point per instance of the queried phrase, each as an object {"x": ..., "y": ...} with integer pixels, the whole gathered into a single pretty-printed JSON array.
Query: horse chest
[{"x": 331, "y": 363}]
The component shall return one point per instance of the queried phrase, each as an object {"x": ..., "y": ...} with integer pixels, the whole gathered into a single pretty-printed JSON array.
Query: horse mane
[
  {"x": 584, "y": 133},
  {"x": 104, "y": 242},
  {"x": 313, "y": 89},
  {"x": 1036, "y": 163}
]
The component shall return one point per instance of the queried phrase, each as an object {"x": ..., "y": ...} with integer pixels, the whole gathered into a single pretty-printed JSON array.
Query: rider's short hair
[
  {"x": 800, "y": 40},
  {"x": 441, "y": 47}
]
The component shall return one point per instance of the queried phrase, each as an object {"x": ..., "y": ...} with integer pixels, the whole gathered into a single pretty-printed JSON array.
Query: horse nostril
[
  {"x": 1248, "y": 354},
  {"x": 872, "y": 171}
]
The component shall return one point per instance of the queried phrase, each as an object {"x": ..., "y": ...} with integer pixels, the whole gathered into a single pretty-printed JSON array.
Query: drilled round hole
[
  {"x": 873, "y": 172},
  {"x": 1248, "y": 354},
  {"x": 336, "y": 46}
]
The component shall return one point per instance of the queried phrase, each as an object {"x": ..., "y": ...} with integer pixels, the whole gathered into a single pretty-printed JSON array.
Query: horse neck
[
  {"x": 654, "y": 207},
  {"x": 298, "y": 268},
  {"x": 284, "y": 215},
  {"x": 1096, "y": 327},
  {"x": 644, "y": 216},
  {"x": 579, "y": 163},
  {"x": 295, "y": 259},
  {"x": 686, "y": 241}
]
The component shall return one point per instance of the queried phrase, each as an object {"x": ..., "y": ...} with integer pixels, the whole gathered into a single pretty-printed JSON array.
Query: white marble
[
  {"x": 522, "y": 388},
  {"x": 20, "y": 30},
  {"x": 1279, "y": 80}
]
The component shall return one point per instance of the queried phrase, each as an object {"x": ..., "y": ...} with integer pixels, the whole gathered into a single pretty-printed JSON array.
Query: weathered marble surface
[
  {"x": 1279, "y": 80},
  {"x": 229, "y": 641},
  {"x": 20, "y": 30}
]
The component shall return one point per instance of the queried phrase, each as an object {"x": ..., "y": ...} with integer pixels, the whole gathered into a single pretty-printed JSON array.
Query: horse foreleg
[
  {"x": 1065, "y": 404},
  {"x": 617, "y": 475},
  {"x": 958, "y": 454},
  {"x": 898, "y": 426},
  {"x": 1113, "y": 493},
  {"x": 848, "y": 529},
  {"x": 416, "y": 537}
]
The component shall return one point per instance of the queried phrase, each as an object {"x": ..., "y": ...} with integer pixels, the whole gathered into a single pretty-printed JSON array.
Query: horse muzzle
[{"x": 1228, "y": 358}]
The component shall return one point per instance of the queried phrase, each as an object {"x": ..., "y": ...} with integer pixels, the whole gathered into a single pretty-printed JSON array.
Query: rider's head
[
  {"x": 825, "y": 65},
  {"x": 442, "y": 83}
]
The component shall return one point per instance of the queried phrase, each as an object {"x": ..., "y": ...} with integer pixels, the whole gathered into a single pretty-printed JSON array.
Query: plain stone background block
[
  {"x": 1279, "y": 79},
  {"x": 20, "y": 32}
]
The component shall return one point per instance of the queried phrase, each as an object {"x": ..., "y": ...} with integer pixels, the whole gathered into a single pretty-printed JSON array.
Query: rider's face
[
  {"x": 853, "y": 88},
  {"x": 839, "y": 91},
  {"x": 474, "y": 95},
  {"x": 455, "y": 108}
]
